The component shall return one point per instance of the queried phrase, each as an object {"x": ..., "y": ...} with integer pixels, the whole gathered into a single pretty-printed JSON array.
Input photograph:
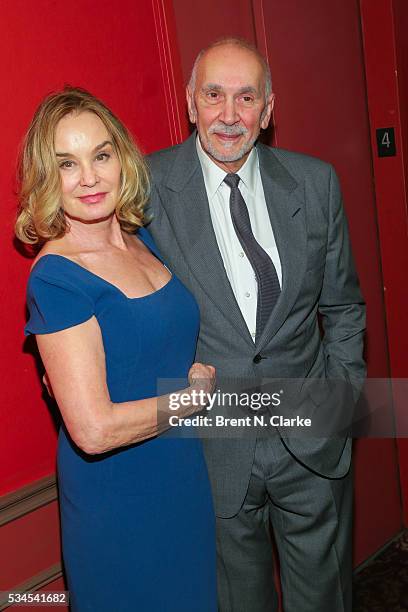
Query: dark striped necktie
[{"x": 265, "y": 272}]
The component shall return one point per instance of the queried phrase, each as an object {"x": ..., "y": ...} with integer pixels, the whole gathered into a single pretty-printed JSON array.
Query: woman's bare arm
[{"x": 74, "y": 359}]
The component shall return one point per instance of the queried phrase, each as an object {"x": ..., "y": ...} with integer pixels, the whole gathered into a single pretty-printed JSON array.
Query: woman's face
[{"x": 89, "y": 167}]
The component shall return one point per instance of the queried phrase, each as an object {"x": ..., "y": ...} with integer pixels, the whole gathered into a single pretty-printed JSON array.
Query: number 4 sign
[{"x": 386, "y": 142}]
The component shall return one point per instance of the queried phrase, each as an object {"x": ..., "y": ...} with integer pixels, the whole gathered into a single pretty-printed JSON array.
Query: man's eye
[
  {"x": 247, "y": 98},
  {"x": 102, "y": 156},
  {"x": 213, "y": 95}
]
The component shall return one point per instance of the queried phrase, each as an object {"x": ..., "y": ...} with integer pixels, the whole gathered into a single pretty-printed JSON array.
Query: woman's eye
[
  {"x": 67, "y": 164},
  {"x": 102, "y": 156}
]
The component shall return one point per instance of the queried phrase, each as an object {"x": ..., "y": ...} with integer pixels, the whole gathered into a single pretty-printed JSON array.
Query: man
[{"x": 259, "y": 236}]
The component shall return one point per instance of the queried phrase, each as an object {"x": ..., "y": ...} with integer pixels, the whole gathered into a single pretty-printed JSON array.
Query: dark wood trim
[
  {"x": 35, "y": 583},
  {"x": 27, "y": 499}
]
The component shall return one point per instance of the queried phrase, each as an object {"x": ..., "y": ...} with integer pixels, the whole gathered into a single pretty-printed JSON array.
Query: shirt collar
[
  {"x": 248, "y": 172},
  {"x": 214, "y": 175}
]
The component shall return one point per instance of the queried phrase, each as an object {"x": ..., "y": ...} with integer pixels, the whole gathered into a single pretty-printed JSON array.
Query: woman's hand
[
  {"x": 202, "y": 377},
  {"x": 75, "y": 363}
]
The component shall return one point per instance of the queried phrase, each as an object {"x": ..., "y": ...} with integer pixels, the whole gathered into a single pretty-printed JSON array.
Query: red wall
[
  {"x": 400, "y": 23},
  {"x": 387, "y": 86},
  {"x": 200, "y": 23},
  {"x": 43, "y": 45},
  {"x": 26, "y": 546}
]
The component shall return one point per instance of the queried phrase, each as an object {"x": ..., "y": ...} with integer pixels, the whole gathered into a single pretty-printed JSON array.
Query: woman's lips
[{"x": 93, "y": 198}]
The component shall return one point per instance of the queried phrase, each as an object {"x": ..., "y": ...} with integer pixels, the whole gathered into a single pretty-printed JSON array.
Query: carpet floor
[{"x": 382, "y": 586}]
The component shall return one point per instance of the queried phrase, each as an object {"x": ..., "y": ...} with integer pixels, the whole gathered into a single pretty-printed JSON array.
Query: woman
[{"x": 111, "y": 321}]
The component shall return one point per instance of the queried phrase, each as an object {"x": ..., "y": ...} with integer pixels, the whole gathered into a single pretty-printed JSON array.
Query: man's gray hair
[{"x": 242, "y": 44}]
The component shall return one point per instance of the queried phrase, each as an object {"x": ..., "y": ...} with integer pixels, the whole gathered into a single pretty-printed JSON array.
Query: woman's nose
[{"x": 89, "y": 178}]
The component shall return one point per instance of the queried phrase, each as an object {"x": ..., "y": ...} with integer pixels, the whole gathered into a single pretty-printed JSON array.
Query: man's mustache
[{"x": 228, "y": 130}]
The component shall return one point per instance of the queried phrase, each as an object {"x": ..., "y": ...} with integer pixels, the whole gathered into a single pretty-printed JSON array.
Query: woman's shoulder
[
  {"x": 54, "y": 272},
  {"x": 48, "y": 263},
  {"x": 52, "y": 247},
  {"x": 56, "y": 258},
  {"x": 55, "y": 268},
  {"x": 58, "y": 295},
  {"x": 145, "y": 236}
]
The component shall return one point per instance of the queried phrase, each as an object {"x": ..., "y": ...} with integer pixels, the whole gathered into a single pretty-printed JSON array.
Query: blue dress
[{"x": 138, "y": 527}]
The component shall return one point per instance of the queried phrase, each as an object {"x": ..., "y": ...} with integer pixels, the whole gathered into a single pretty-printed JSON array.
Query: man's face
[{"x": 228, "y": 104}]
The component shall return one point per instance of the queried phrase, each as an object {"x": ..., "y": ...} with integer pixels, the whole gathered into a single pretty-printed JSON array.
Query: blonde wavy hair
[{"x": 40, "y": 216}]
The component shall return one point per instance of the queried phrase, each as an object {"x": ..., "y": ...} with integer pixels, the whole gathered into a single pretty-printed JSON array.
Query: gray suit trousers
[{"x": 311, "y": 521}]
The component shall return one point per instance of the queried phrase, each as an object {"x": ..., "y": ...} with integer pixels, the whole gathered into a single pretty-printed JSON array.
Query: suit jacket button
[{"x": 257, "y": 358}]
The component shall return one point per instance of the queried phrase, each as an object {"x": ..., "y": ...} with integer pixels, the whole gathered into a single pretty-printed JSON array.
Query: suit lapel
[
  {"x": 286, "y": 206},
  {"x": 188, "y": 212}
]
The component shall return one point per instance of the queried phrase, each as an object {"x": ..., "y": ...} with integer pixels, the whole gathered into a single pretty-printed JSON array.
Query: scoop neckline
[{"x": 106, "y": 282}]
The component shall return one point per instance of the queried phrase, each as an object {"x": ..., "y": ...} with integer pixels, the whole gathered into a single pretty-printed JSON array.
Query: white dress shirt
[{"x": 237, "y": 266}]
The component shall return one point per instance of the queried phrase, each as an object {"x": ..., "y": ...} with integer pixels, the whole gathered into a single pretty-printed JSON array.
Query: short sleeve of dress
[{"x": 55, "y": 304}]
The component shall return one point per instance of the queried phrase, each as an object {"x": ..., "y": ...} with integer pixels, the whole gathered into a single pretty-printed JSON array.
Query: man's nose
[
  {"x": 89, "y": 178},
  {"x": 229, "y": 114}
]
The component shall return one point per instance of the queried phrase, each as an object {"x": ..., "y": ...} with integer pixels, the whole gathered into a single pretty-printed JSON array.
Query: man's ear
[
  {"x": 266, "y": 115},
  {"x": 191, "y": 105}
]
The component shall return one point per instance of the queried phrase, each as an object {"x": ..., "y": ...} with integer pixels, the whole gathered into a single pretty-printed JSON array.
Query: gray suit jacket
[{"x": 304, "y": 203}]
